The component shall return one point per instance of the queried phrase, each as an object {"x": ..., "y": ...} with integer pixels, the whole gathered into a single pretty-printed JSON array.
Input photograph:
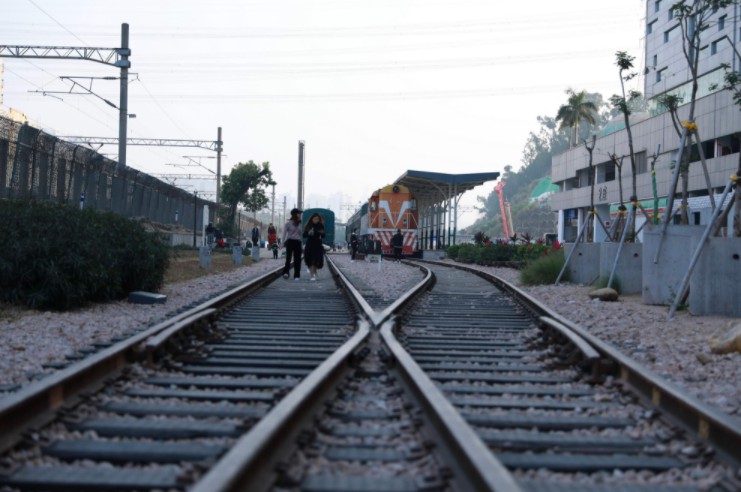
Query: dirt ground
[{"x": 185, "y": 265}]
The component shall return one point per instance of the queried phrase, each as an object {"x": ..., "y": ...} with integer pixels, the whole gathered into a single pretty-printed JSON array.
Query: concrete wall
[
  {"x": 584, "y": 263},
  {"x": 661, "y": 280},
  {"x": 714, "y": 286},
  {"x": 629, "y": 271}
]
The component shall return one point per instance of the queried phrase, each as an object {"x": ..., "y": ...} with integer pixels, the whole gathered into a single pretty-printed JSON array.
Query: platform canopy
[
  {"x": 437, "y": 196},
  {"x": 429, "y": 187}
]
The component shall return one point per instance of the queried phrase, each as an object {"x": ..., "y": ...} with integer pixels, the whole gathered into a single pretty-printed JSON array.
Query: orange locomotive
[{"x": 390, "y": 208}]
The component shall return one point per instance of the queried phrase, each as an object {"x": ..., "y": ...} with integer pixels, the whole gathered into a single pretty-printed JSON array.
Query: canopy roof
[{"x": 429, "y": 187}]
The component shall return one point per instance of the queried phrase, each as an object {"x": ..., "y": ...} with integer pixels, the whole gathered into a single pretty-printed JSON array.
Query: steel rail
[
  {"x": 709, "y": 425},
  {"x": 480, "y": 468},
  {"x": 36, "y": 403},
  {"x": 250, "y": 463}
]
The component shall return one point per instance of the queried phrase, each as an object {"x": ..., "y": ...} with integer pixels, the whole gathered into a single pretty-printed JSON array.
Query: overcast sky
[{"x": 374, "y": 88}]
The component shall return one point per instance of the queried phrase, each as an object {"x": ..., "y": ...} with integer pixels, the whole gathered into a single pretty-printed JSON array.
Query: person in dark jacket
[
  {"x": 353, "y": 244},
  {"x": 398, "y": 243},
  {"x": 314, "y": 250}
]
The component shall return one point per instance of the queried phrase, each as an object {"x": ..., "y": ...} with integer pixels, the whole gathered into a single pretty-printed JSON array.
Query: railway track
[{"x": 286, "y": 387}]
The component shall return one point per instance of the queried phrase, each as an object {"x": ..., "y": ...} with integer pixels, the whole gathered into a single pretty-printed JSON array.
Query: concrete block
[
  {"x": 714, "y": 284},
  {"x": 141, "y": 297},
  {"x": 205, "y": 257},
  {"x": 433, "y": 254},
  {"x": 629, "y": 270},
  {"x": 255, "y": 253},
  {"x": 237, "y": 255},
  {"x": 584, "y": 263},
  {"x": 660, "y": 280}
]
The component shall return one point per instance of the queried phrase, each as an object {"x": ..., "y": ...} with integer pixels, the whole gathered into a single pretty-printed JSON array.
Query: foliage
[
  {"x": 496, "y": 252},
  {"x": 480, "y": 238},
  {"x": 58, "y": 257},
  {"x": 544, "y": 270},
  {"x": 452, "y": 251},
  {"x": 578, "y": 108},
  {"x": 245, "y": 185},
  {"x": 467, "y": 253}
]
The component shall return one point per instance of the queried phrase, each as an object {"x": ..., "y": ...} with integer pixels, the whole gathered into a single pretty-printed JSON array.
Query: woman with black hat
[{"x": 292, "y": 242}]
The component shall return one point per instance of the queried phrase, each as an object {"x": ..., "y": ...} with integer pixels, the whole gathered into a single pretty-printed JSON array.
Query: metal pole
[
  {"x": 579, "y": 236},
  {"x": 631, "y": 218},
  {"x": 300, "y": 196},
  {"x": 672, "y": 191},
  {"x": 218, "y": 167},
  {"x": 195, "y": 217},
  {"x": 272, "y": 208},
  {"x": 123, "y": 112}
]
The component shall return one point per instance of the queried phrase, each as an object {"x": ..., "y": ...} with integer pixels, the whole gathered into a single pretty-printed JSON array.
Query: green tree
[
  {"x": 578, "y": 108},
  {"x": 623, "y": 102},
  {"x": 246, "y": 185}
]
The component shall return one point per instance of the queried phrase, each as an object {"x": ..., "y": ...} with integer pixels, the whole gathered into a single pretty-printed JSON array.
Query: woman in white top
[{"x": 292, "y": 242}]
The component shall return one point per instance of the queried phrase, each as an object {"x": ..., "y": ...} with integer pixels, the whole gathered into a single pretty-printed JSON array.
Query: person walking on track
[
  {"x": 291, "y": 240},
  {"x": 314, "y": 251}
]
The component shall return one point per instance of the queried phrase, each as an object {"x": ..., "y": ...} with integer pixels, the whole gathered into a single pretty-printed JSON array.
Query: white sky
[{"x": 374, "y": 88}]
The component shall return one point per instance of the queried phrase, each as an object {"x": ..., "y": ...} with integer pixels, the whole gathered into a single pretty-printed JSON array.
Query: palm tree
[{"x": 578, "y": 108}]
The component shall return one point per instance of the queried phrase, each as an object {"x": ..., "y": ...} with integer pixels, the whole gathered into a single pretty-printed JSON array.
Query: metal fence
[{"x": 34, "y": 164}]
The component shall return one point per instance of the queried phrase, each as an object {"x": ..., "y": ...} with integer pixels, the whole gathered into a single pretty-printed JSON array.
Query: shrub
[
  {"x": 468, "y": 253},
  {"x": 452, "y": 251},
  {"x": 544, "y": 270},
  {"x": 58, "y": 257},
  {"x": 496, "y": 252}
]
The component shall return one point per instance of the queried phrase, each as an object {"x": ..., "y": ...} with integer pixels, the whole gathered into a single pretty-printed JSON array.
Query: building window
[
  {"x": 671, "y": 34},
  {"x": 671, "y": 14},
  {"x": 657, "y": 5},
  {"x": 641, "y": 165},
  {"x": 609, "y": 171},
  {"x": 650, "y": 27},
  {"x": 722, "y": 23},
  {"x": 656, "y": 60},
  {"x": 660, "y": 74},
  {"x": 696, "y": 217},
  {"x": 713, "y": 48}
]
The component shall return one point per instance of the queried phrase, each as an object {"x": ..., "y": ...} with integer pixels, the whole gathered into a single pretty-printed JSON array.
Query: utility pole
[
  {"x": 123, "y": 111},
  {"x": 116, "y": 57},
  {"x": 300, "y": 197},
  {"x": 272, "y": 208},
  {"x": 218, "y": 166}
]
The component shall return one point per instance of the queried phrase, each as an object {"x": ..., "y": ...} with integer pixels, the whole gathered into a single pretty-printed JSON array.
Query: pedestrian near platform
[
  {"x": 353, "y": 244},
  {"x": 398, "y": 243},
  {"x": 291, "y": 240}
]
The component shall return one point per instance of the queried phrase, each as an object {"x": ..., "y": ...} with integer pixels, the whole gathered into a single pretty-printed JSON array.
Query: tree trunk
[{"x": 737, "y": 199}]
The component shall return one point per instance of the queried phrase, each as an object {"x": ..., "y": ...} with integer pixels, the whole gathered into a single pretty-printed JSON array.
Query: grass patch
[{"x": 544, "y": 270}]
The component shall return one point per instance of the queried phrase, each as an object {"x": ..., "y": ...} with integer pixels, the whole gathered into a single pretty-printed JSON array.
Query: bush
[
  {"x": 58, "y": 257},
  {"x": 496, "y": 252},
  {"x": 544, "y": 270},
  {"x": 468, "y": 253},
  {"x": 452, "y": 251}
]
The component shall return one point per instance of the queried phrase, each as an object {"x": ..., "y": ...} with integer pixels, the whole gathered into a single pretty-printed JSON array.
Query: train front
[{"x": 390, "y": 208}]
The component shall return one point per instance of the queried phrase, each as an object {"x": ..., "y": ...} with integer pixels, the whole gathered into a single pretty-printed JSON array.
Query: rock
[
  {"x": 606, "y": 294},
  {"x": 728, "y": 342},
  {"x": 704, "y": 358}
]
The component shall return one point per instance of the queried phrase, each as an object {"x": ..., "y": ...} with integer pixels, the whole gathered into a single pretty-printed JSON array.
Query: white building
[{"x": 717, "y": 117}]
